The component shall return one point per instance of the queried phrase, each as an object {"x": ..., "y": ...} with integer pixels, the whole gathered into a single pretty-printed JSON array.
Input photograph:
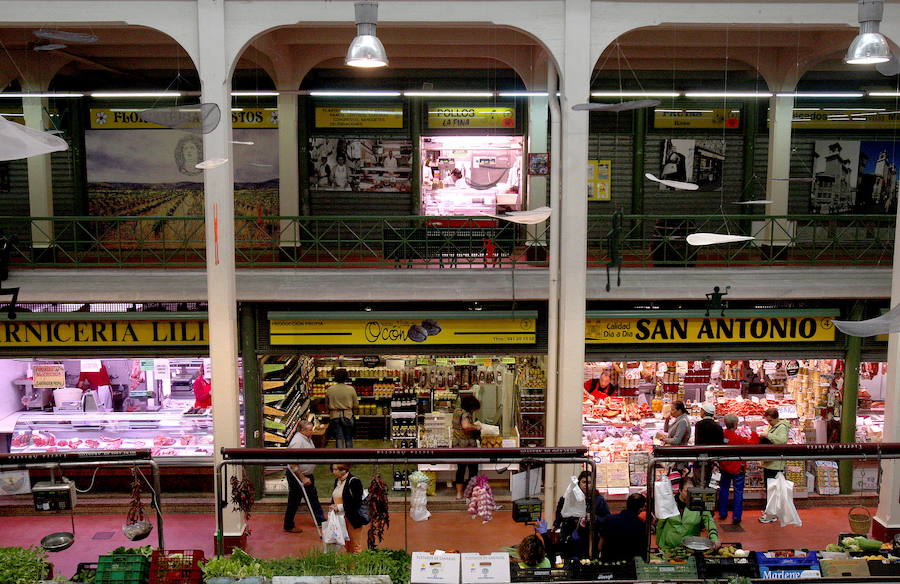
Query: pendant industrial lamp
[
  {"x": 366, "y": 50},
  {"x": 869, "y": 47}
]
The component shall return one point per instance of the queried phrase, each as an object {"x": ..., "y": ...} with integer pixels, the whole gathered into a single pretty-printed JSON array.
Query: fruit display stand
[{"x": 726, "y": 563}]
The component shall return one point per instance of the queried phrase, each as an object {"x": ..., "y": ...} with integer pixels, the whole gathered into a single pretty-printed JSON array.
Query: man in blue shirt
[{"x": 624, "y": 535}]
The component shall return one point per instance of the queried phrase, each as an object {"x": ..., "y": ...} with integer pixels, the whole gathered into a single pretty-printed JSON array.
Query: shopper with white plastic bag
[
  {"x": 777, "y": 432},
  {"x": 334, "y": 532},
  {"x": 780, "y": 501},
  {"x": 418, "y": 509},
  {"x": 572, "y": 514},
  {"x": 664, "y": 504}
]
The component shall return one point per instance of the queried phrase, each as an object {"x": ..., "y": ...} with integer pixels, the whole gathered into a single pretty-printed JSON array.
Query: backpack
[{"x": 364, "y": 505}]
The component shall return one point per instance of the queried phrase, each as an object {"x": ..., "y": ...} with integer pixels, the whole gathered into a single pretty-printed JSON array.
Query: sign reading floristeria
[
  {"x": 130, "y": 118},
  {"x": 760, "y": 328},
  {"x": 400, "y": 329},
  {"x": 495, "y": 116},
  {"x": 98, "y": 333},
  {"x": 359, "y": 117}
]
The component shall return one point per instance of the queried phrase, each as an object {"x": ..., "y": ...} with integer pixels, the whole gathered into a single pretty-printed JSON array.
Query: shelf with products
[
  {"x": 286, "y": 396},
  {"x": 165, "y": 433}
]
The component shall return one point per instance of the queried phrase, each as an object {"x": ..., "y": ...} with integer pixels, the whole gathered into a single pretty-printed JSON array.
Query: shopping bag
[
  {"x": 773, "y": 500},
  {"x": 788, "y": 514},
  {"x": 525, "y": 484},
  {"x": 573, "y": 500},
  {"x": 335, "y": 530},
  {"x": 418, "y": 509},
  {"x": 664, "y": 505}
]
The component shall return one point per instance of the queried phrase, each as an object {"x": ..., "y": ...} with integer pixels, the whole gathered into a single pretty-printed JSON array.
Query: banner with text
[
  {"x": 359, "y": 117},
  {"x": 113, "y": 333},
  {"x": 495, "y": 116},
  {"x": 130, "y": 119},
  {"x": 744, "y": 329},
  {"x": 700, "y": 118},
  {"x": 402, "y": 331}
]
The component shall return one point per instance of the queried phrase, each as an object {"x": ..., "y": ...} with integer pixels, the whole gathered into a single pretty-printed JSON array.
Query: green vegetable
[
  {"x": 146, "y": 551},
  {"x": 23, "y": 565},
  {"x": 833, "y": 547},
  {"x": 868, "y": 545}
]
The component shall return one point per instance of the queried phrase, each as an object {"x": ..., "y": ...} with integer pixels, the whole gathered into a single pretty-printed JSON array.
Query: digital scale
[{"x": 54, "y": 495}]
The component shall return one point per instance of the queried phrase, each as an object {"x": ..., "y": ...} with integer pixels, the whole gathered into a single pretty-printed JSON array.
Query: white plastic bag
[
  {"x": 418, "y": 509},
  {"x": 489, "y": 430},
  {"x": 664, "y": 505},
  {"x": 780, "y": 501},
  {"x": 573, "y": 500},
  {"x": 335, "y": 530}
]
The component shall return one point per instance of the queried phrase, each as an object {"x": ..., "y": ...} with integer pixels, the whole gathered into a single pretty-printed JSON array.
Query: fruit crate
[
  {"x": 85, "y": 569},
  {"x": 666, "y": 571},
  {"x": 714, "y": 567},
  {"x": 604, "y": 571},
  {"x": 883, "y": 567},
  {"x": 771, "y": 567},
  {"x": 121, "y": 569},
  {"x": 518, "y": 574},
  {"x": 176, "y": 567}
]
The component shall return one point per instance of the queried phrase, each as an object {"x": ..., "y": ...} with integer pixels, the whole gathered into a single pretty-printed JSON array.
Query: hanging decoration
[
  {"x": 675, "y": 184},
  {"x": 18, "y": 141},
  {"x": 716, "y": 238},
  {"x": 211, "y": 163},
  {"x": 480, "y": 499},
  {"x": 201, "y": 118},
  {"x": 530, "y": 217},
  {"x": 622, "y": 106},
  {"x": 66, "y": 36},
  {"x": 753, "y": 202},
  {"x": 378, "y": 512},
  {"x": 136, "y": 527},
  {"x": 887, "y": 323},
  {"x": 614, "y": 245}
]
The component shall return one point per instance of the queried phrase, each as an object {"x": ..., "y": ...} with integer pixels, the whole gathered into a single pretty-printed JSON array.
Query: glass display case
[{"x": 171, "y": 434}]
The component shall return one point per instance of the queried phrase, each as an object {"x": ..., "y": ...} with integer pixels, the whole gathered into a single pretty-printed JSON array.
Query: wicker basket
[{"x": 860, "y": 523}]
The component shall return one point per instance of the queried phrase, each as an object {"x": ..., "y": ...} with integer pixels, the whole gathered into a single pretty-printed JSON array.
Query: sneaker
[{"x": 767, "y": 519}]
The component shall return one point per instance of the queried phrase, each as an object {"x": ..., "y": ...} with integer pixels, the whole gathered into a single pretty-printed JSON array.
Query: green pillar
[
  {"x": 78, "y": 114},
  {"x": 639, "y": 144},
  {"x": 415, "y": 130},
  {"x": 851, "y": 395},
  {"x": 253, "y": 428},
  {"x": 303, "y": 120},
  {"x": 750, "y": 121}
]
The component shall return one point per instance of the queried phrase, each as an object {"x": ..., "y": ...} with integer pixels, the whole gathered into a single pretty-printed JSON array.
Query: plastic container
[
  {"x": 712, "y": 567},
  {"x": 84, "y": 567},
  {"x": 518, "y": 574},
  {"x": 603, "y": 571},
  {"x": 788, "y": 568},
  {"x": 121, "y": 569},
  {"x": 176, "y": 567},
  {"x": 665, "y": 571}
]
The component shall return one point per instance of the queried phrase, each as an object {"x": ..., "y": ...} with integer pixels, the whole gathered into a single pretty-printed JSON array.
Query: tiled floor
[{"x": 450, "y": 530}]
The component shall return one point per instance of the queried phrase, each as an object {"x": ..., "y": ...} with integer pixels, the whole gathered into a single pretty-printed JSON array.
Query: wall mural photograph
[
  {"x": 151, "y": 173},
  {"x": 375, "y": 165},
  {"x": 701, "y": 162},
  {"x": 852, "y": 176}
]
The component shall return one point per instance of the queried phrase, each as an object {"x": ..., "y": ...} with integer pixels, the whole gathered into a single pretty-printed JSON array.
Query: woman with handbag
[{"x": 347, "y": 501}]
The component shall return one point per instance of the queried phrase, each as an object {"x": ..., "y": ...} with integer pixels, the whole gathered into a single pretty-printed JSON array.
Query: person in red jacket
[
  {"x": 733, "y": 472},
  {"x": 202, "y": 390},
  {"x": 600, "y": 388}
]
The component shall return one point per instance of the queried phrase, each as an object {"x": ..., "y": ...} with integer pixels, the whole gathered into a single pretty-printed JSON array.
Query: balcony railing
[{"x": 445, "y": 242}]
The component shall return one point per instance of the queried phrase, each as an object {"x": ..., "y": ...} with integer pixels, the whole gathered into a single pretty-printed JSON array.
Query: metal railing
[{"x": 453, "y": 242}]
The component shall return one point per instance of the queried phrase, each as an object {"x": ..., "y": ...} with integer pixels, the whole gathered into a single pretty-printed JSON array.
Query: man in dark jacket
[
  {"x": 624, "y": 535},
  {"x": 707, "y": 431}
]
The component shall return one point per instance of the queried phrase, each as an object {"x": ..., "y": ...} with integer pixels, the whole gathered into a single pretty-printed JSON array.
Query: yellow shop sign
[
  {"x": 100, "y": 333},
  {"x": 845, "y": 119},
  {"x": 705, "y": 118},
  {"x": 713, "y": 329},
  {"x": 359, "y": 117},
  {"x": 497, "y": 116},
  {"x": 411, "y": 330},
  {"x": 130, "y": 118}
]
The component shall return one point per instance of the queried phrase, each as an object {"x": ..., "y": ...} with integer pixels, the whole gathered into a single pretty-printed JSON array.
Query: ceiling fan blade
[
  {"x": 622, "y": 106},
  {"x": 716, "y": 238},
  {"x": 675, "y": 184}
]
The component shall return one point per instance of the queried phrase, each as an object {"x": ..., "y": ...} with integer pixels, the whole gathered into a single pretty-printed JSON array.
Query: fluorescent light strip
[
  {"x": 884, "y": 94},
  {"x": 448, "y": 93},
  {"x": 115, "y": 94},
  {"x": 255, "y": 93},
  {"x": 852, "y": 109},
  {"x": 726, "y": 94},
  {"x": 635, "y": 94},
  {"x": 364, "y": 112},
  {"x": 12, "y": 115},
  {"x": 19, "y": 94},
  {"x": 523, "y": 94},
  {"x": 802, "y": 95},
  {"x": 329, "y": 93}
]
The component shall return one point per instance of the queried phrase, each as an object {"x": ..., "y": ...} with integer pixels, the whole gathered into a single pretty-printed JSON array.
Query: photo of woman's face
[
  {"x": 188, "y": 152},
  {"x": 191, "y": 154}
]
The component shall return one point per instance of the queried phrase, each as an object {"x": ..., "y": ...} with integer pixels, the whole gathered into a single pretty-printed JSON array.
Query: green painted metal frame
[{"x": 428, "y": 242}]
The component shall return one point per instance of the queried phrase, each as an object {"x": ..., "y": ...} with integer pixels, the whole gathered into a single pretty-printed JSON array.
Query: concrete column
[
  {"x": 40, "y": 174},
  {"x": 781, "y": 112},
  {"x": 887, "y": 518},
  {"x": 288, "y": 166},
  {"x": 575, "y": 88},
  {"x": 218, "y": 191}
]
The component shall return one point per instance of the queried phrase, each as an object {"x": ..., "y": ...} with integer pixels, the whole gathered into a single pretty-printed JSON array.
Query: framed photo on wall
[{"x": 538, "y": 163}]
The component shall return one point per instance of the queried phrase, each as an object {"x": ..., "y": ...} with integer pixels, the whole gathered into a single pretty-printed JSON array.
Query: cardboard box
[
  {"x": 434, "y": 568},
  {"x": 485, "y": 569},
  {"x": 840, "y": 568}
]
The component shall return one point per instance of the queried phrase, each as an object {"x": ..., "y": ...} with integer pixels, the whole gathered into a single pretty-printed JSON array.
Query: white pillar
[
  {"x": 574, "y": 88},
  {"x": 887, "y": 518},
  {"x": 288, "y": 166},
  {"x": 781, "y": 113},
  {"x": 40, "y": 175},
  {"x": 218, "y": 191}
]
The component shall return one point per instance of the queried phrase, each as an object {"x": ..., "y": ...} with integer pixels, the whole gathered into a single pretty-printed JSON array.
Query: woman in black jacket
[{"x": 346, "y": 500}]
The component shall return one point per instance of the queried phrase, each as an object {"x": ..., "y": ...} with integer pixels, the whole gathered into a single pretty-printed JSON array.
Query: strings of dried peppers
[
  {"x": 378, "y": 512},
  {"x": 242, "y": 497}
]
